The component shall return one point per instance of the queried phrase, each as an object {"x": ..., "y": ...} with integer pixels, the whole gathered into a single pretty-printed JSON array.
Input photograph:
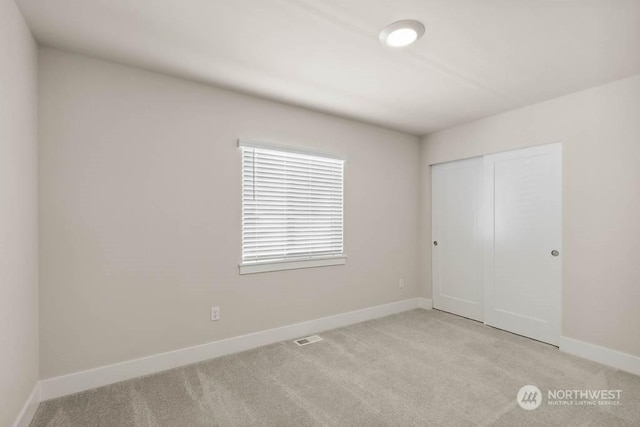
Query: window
[{"x": 292, "y": 209}]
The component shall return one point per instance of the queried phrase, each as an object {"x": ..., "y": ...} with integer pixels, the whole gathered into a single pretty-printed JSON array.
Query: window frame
[{"x": 264, "y": 266}]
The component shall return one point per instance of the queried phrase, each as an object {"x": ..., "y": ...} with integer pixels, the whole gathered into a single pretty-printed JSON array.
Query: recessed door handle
[{"x": 555, "y": 253}]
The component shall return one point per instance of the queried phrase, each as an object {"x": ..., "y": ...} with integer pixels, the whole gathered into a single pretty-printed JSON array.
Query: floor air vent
[{"x": 308, "y": 340}]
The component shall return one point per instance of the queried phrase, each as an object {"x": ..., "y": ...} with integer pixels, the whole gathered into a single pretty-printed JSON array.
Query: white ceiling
[{"x": 477, "y": 58}]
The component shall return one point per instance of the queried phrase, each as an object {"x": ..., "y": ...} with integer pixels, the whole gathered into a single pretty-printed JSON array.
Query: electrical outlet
[
  {"x": 215, "y": 313},
  {"x": 400, "y": 283}
]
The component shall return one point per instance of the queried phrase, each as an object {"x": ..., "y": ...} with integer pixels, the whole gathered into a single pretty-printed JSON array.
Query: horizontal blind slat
[
  {"x": 288, "y": 241},
  {"x": 273, "y": 156}
]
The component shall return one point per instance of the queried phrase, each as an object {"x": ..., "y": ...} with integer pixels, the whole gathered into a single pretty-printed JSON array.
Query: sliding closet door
[
  {"x": 522, "y": 265},
  {"x": 456, "y": 250}
]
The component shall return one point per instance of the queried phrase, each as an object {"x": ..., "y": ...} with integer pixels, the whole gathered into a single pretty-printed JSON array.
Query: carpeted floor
[{"x": 417, "y": 368}]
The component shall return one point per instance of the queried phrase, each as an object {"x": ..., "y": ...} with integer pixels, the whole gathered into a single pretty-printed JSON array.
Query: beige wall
[
  {"x": 140, "y": 214},
  {"x": 600, "y": 131},
  {"x": 18, "y": 213}
]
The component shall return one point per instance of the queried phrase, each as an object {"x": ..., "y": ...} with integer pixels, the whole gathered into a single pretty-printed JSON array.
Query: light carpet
[{"x": 417, "y": 368}]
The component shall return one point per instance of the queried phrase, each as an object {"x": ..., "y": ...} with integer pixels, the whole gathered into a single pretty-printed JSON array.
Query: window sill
[{"x": 264, "y": 267}]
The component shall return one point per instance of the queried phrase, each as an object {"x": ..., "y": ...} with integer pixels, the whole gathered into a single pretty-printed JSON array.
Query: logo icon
[{"x": 529, "y": 397}]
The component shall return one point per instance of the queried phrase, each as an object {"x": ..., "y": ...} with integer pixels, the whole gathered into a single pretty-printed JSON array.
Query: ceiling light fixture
[{"x": 401, "y": 33}]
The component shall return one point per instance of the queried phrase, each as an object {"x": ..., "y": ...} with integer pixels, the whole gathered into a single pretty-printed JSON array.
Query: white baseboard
[
  {"x": 425, "y": 303},
  {"x": 92, "y": 378},
  {"x": 29, "y": 409},
  {"x": 615, "y": 359}
]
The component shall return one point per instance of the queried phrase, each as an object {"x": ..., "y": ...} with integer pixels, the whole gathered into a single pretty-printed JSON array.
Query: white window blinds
[{"x": 292, "y": 205}]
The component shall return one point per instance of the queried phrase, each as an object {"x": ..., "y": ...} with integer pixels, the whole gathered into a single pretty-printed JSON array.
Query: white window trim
[
  {"x": 267, "y": 266},
  {"x": 269, "y": 146}
]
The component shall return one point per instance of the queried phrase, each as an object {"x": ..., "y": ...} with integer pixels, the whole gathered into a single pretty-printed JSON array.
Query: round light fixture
[{"x": 401, "y": 33}]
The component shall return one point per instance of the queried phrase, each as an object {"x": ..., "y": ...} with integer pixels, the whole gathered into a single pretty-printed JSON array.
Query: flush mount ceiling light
[{"x": 401, "y": 33}]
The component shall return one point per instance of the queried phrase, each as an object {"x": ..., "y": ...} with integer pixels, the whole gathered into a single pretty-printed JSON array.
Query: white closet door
[
  {"x": 456, "y": 250},
  {"x": 522, "y": 262}
]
